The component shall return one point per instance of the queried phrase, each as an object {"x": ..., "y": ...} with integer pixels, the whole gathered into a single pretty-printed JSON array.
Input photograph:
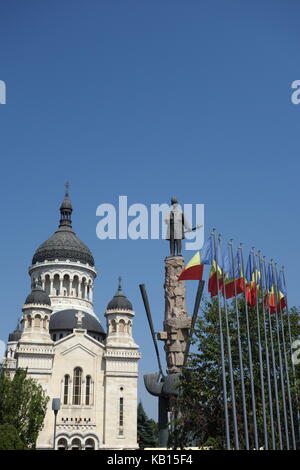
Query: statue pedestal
[{"x": 176, "y": 322}]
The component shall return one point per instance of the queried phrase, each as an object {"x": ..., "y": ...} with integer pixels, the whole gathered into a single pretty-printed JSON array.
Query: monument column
[{"x": 176, "y": 320}]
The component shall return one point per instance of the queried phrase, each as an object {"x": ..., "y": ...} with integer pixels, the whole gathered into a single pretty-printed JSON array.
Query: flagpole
[
  {"x": 261, "y": 371},
  {"x": 250, "y": 358},
  {"x": 222, "y": 348},
  {"x": 267, "y": 355},
  {"x": 240, "y": 353},
  {"x": 290, "y": 338},
  {"x": 280, "y": 361},
  {"x": 235, "y": 427},
  {"x": 273, "y": 362},
  {"x": 286, "y": 364}
]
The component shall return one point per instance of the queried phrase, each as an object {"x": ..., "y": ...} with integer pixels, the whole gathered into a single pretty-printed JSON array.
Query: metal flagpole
[
  {"x": 250, "y": 358},
  {"x": 235, "y": 427},
  {"x": 261, "y": 370},
  {"x": 240, "y": 352},
  {"x": 273, "y": 363},
  {"x": 285, "y": 362},
  {"x": 267, "y": 355},
  {"x": 215, "y": 259},
  {"x": 280, "y": 362},
  {"x": 290, "y": 338}
]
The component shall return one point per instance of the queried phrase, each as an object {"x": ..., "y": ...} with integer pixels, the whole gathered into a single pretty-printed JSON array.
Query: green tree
[
  {"x": 147, "y": 429},
  {"x": 200, "y": 404},
  {"x": 23, "y": 404},
  {"x": 9, "y": 438}
]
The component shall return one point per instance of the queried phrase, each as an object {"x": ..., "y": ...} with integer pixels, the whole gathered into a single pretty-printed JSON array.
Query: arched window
[
  {"x": 76, "y": 444},
  {"x": 29, "y": 321},
  {"x": 75, "y": 286},
  {"x": 56, "y": 284},
  {"x": 66, "y": 285},
  {"x": 62, "y": 444},
  {"x": 88, "y": 386},
  {"x": 89, "y": 444},
  {"x": 37, "y": 321},
  {"x": 47, "y": 284},
  {"x": 113, "y": 326},
  {"x": 66, "y": 389},
  {"x": 121, "y": 326},
  {"x": 83, "y": 287},
  {"x": 77, "y": 386}
]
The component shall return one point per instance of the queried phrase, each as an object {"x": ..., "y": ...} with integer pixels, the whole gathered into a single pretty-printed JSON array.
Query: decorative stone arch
[
  {"x": 62, "y": 443},
  {"x": 91, "y": 439},
  {"x": 83, "y": 285},
  {"x": 47, "y": 283},
  {"x": 121, "y": 326},
  {"x": 45, "y": 321},
  {"x": 37, "y": 320},
  {"x": 28, "y": 321},
  {"x": 113, "y": 325},
  {"x": 56, "y": 284},
  {"x": 66, "y": 284},
  {"x": 75, "y": 285}
]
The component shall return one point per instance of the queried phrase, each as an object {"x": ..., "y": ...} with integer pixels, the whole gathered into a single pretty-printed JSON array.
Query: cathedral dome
[
  {"x": 38, "y": 296},
  {"x": 67, "y": 320},
  {"x": 64, "y": 244},
  {"x": 119, "y": 301}
]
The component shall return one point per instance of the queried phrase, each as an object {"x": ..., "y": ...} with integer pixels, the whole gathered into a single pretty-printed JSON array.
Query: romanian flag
[
  {"x": 194, "y": 268},
  {"x": 234, "y": 278},
  {"x": 215, "y": 273},
  {"x": 271, "y": 291},
  {"x": 282, "y": 291},
  {"x": 252, "y": 281}
]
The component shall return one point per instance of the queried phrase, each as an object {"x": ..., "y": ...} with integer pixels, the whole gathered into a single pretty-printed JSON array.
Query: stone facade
[
  {"x": 176, "y": 322},
  {"x": 93, "y": 374}
]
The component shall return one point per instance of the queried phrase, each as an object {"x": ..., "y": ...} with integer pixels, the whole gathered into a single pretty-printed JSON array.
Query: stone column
[{"x": 176, "y": 323}]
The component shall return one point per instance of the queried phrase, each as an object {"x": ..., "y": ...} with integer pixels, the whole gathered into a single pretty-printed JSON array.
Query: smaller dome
[
  {"x": 66, "y": 320},
  {"x": 119, "y": 301},
  {"x": 38, "y": 296},
  {"x": 15, "y": 335}
]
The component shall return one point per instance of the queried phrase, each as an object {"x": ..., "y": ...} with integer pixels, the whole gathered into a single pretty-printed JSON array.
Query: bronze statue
[{"x": 175, "y": 232}]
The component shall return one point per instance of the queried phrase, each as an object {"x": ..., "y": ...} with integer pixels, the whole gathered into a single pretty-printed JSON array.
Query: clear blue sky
[{"x": 147, "y": 99}]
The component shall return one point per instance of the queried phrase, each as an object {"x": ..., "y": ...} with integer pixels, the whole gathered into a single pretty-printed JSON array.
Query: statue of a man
[{"x": 176, "y": 223}]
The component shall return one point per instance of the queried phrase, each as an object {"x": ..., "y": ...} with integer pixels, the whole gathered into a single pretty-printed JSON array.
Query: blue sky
[{"x": 147, "y": 99}]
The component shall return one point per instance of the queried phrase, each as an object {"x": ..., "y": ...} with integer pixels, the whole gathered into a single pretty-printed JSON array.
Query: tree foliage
[
  {"x": 147, "y": 429},
  {"x": 9, "y": 438},
  {"x": 23, "y": 404},
  {"x": 201, "y": 405}
]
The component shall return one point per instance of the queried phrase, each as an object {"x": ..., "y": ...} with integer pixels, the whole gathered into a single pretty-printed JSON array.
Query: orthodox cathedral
[{"x": 63, "y": 345}]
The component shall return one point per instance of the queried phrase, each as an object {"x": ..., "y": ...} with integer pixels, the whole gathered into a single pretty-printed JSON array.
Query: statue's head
[{"x": 174, "y": 200}]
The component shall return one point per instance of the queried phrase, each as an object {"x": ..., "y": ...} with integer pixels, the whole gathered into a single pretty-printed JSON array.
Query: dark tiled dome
[
  {"x": 64, "y": 244},
  {"x": 15, "y": 335},
  {"x": 119, "y": 301},
  {"x": 66, "y": 320},
  {"x": 38, "y": 296}
]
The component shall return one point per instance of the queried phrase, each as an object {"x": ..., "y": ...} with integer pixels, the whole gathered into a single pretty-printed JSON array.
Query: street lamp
[{"x": 55, "y": 408}]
